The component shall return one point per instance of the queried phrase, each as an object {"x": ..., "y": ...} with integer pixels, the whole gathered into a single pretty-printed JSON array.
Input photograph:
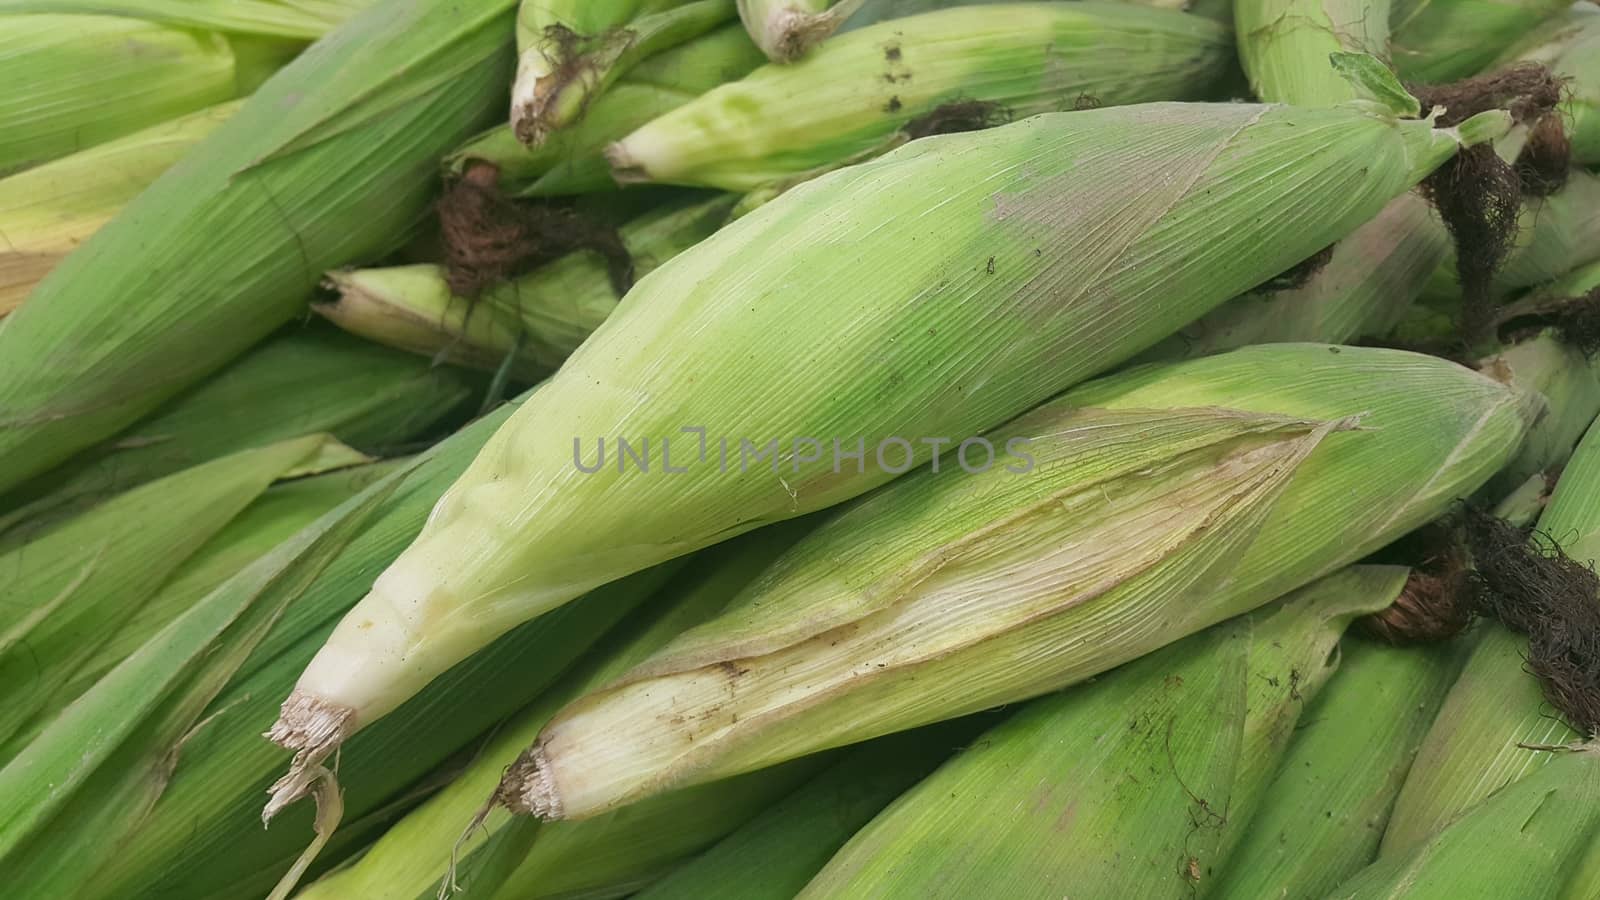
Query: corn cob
[
  {"x": 1124, "y": 787},
  {"x": 1364, "y": 289},
  {"x": 1528, "y": 841},
  {"x": 536, "y": 320},
  {"x": 786, "y": 30},
  {"x": 572, "y": 161},
  {"x": 1285, "y": 45},
  {"x": 1570, "y": 45},
  {"x": 328, "y": 162},
  {"x": 1441, "y": 40},
  {"x": 304, "y": 381},
  {"x": 1327, "y": 805},
  {"x": 857, "y": 631},
  {"x": 49, "y": 210},
  {"x": 69, "y": 591},
  {"x": 1473, "y": 749},
  {"x": 1055, "y": 306},
  {"x": 571, "y": 51},
  {"x": 854, "y": 96},
  {"x": 224, "y": 767},
  {"x": 415, "y": 854}
]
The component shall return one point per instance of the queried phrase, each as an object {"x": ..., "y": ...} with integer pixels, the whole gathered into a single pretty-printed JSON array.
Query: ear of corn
[
  {"x": 774, "y": 855},
  {"x": 47, "y": 211},
  {"x": 328, "y": 162},
  {"x": 536, "y": 320},
  {"x": 1060, "y": 304},
  {"x": 572, "y": 160},
  {"x": 1472, "y": 750},
  {"x": 786, "y": 30},
  {"x": 852, "y": 96},
  {"x": 1132, "y": 784},
  {"x": 1527, "y": 841},
  {"x": 1442, "y": 40},
  {"x": 1569, "y": 386},
  {"x": 304, "y": 381},
  {"x": 931, "y": 598},
  {"x": 416, "y": 852},
  {"x": 1284, "y": 46},
  {"x": 71, "y": 590},
  {"x": 1325, "y": 810},
  {"x": 1570, "y": 45},
  {"x": 1364, "y": 289},
  {"x": 571, "y": 51}
]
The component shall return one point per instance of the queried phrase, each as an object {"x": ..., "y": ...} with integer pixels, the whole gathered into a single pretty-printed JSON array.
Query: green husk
[
  {"x": 934, "y": 597},
  {"x": 1569, "y": 44},
  {"x": 916, "y": 291},
  {"x": 569, "y": 52},
  {"x": 49, "y": 210},
  {"x": 1364, "y": 289},
  {"x": 225, "y": 767},
  {"x": 534, "y": 321},
  {"x": 865, "y": 92},
  {"x": 1473, "y": 750},
  {"x": 69, "y": 592},
  {"x": 572, "y": 161},
  {"x": 1436, "y": 41},
  {"x": 302, "y": 381},
  {"x": 786, "y": 30},
  {"x": 304, "y": 20},
  {"x": 329, "y": 162},
  {"x": 1528, "y": 841},
  {"x": 1326, "y": 808},
  {"x": 774, "y": 855},
  {"x": 412, "y": 856},
  {"x": 1124, "y": 787},
  {"x": 1569, "y": 384},
  {"x": 1285, "y": 45}
]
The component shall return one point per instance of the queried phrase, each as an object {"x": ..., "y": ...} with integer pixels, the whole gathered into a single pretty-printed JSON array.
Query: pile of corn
[{"x": 799, "y": 448}]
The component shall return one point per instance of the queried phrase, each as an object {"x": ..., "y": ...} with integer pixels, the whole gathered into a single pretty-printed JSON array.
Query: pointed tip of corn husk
[
  {"x": 313, "y": 728},
  {"x": 791, "y": 33},
  {"x": 625, "y": 169},
  {"x": 527, "y": 788}
]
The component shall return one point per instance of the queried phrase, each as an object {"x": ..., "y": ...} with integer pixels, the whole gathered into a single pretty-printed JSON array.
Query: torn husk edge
[
  {"x": 313, "y": 728},
  {"x": 789, "y": 33}
]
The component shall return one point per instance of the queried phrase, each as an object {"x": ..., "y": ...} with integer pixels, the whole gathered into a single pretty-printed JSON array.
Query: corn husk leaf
[
  {"x": 1526, "y": 841},
  {"x": 786, "y": 30},
  {"x": 47, "y": 211},
  {"x": 1285, "y": 46},
  {"x": 1126, "y": 786},
  {"x": 69, "y": 592},
  {"x": 329, "y": 162},
  {"x": 304, "y": 381},
  {"x": 530, "y": 324},
  {"x": 852, "y": 97},
  {"x": 1569, "y": 384},
  {"x": 301, "y": 19},
  {"x": 932, "y": 598},
  {"x": 1075, "y": 288},
  {"x": 1435, "y": 41},
  {"x": 1570, "y": 45},
  {"x": 1325, "y": 809}
]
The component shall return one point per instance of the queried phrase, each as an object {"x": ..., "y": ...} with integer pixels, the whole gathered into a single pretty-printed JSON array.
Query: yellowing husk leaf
[
  {"x": 1128, "y": 786},
  {"x": 852, "y": 97},
  {"x": 1325, "y": 810},
  {"x": 569, "y": 52},
  {"x": 572, "y": 160},
  {"x": 1158, "y": 502},
  {"x": 1528, "y": 841},
  {"x": 330, "y": 161},
  {"x": 47, "y": 211},
  {"x": 1570, "y": 45},
  {"x": 536, "y": 320},
  {"x": 1284, "y": 45},
  {"x": 1054, "y": 253},
  {"x": 1436, "y": 41}
]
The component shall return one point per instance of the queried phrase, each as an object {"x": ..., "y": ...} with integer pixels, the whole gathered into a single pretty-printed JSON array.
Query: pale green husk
[
  {"x": 1284, "y": 46},
  {"x": 1159, "y": 502},
  {"x": 569, "y": 52},
  {"x": 1127, "y": 787},
  {"x": 330, "y": 161},
  {"x": 852, "y": 97},
  {"x": 1568, "y": 383},
  {"x": 47, "y": 211},
  {"x": 1570, "y": 45},
  {"x": 572, "y": 161},
  {"x": 295, "y": 19},
  {"x": 786, "y": 30},
  {"x": 1326, "y": 808},
  {"x": 1436, "y": 41},
  {"x": 534, "y": 321},
  {"x": 963, "y": 308}
]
